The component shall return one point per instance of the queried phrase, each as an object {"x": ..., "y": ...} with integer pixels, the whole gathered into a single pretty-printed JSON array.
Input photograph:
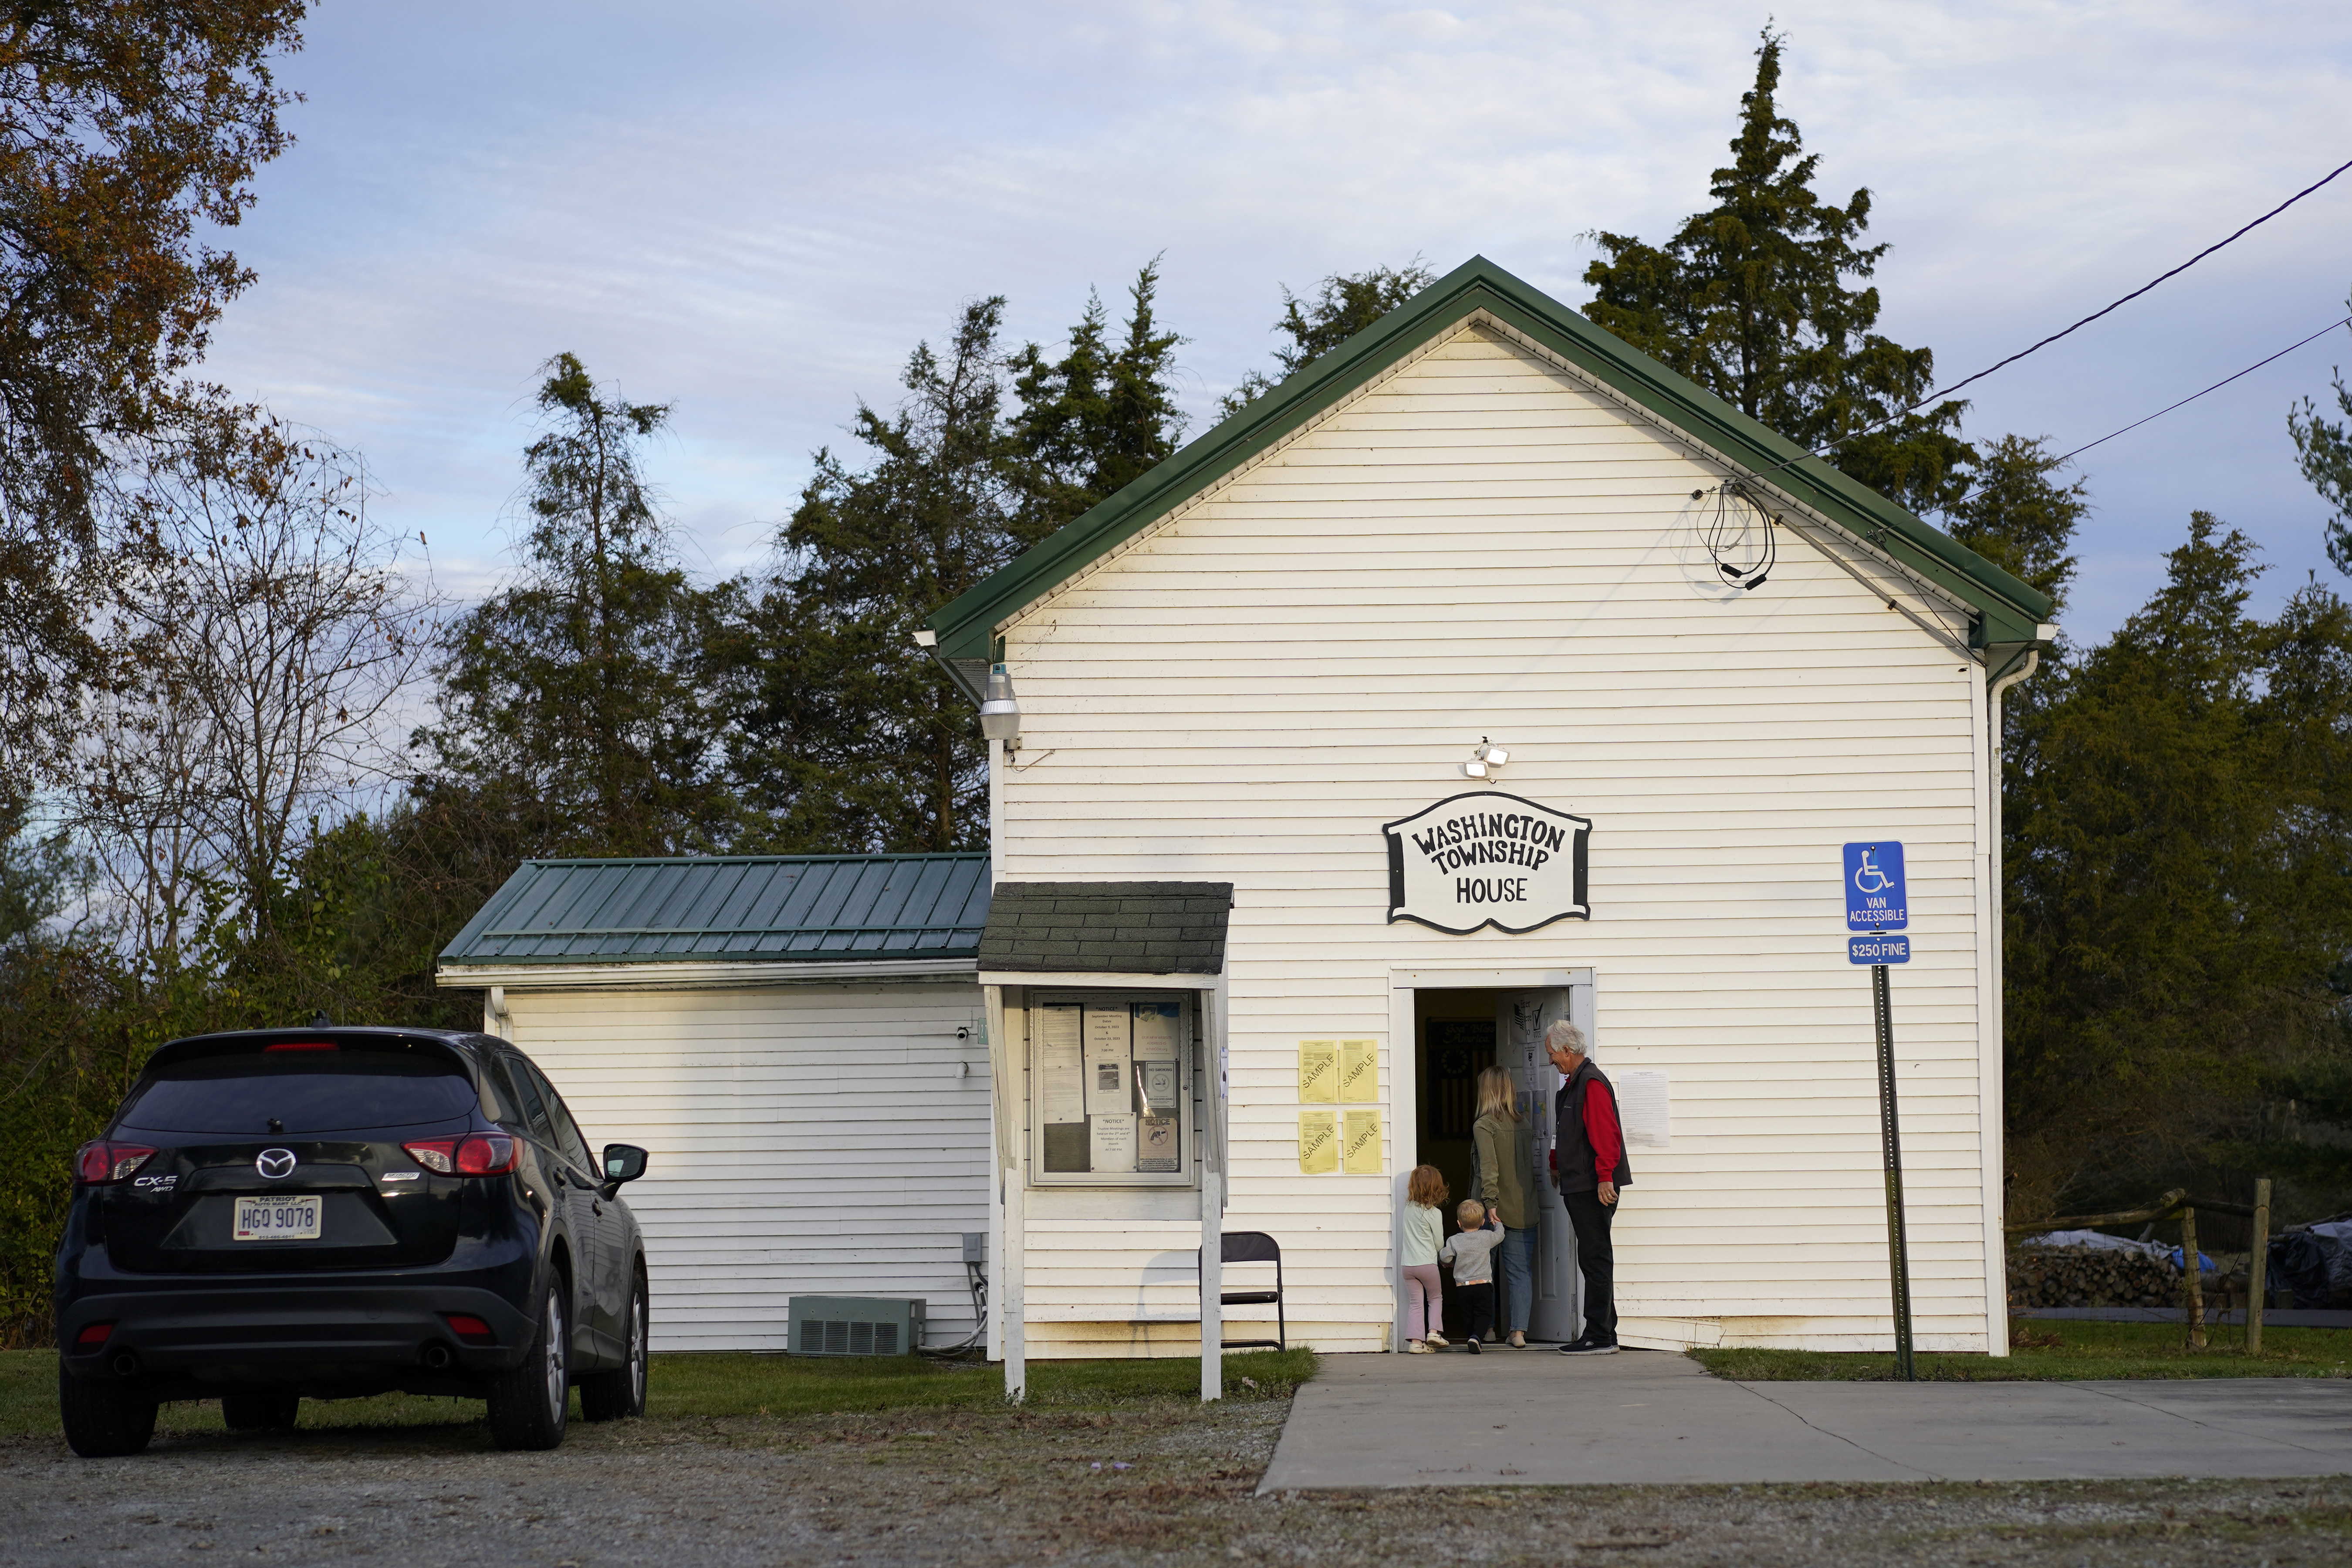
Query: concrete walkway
[{"x": 1537, "y": 1418}]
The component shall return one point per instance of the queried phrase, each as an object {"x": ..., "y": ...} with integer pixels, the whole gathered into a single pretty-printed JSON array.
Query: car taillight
[
  {"x": 100, "y": 1163},
  {"x": 469, "y": 1328},
  {"x": 301, "y": 1046},
  {"x": 475, "y": 1154},
  {"x": 92, "y": 1334}
]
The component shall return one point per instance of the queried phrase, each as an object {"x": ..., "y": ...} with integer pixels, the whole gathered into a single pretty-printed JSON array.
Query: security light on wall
[
  {"x": 1000, "y": 713},
  {"x": 1486, "y": 759}
]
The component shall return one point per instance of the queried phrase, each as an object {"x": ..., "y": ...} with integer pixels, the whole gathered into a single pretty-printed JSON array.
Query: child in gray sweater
[{"x": 1471, "y": 1250}]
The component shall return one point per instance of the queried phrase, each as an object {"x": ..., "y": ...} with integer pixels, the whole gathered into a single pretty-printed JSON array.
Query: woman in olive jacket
[{"x": 1506, "y": 1142}]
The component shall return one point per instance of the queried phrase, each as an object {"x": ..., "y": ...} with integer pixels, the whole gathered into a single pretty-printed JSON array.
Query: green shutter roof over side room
[
  {"x": 755, "y": 908},
  {"x": 2007, "y": 610}
]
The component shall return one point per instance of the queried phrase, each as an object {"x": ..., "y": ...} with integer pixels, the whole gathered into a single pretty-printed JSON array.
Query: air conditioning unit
[{"x": 854, "y": 1325}]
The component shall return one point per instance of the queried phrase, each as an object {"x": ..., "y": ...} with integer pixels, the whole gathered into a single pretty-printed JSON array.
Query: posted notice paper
[
  {"x": 1360, "y": 1071},
  {"x": 1642, "y": 1107},
  {"x": 1107, "y": 1063},
  {"x": 1359, "y": 1143},
  {"x": 1318, "y": 1072},
  {"x": 1157, "y": 1052},
  {"x": 1155, "y": 1148},
  {"x": 1318, "y": 1142},
  {"x": 1111, "y": 1142},
  {"x": 1061, "y": 1071}
]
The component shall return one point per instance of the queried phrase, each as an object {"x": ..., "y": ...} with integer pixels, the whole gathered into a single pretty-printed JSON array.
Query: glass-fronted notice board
[{"x": 1110, "y": 1078}]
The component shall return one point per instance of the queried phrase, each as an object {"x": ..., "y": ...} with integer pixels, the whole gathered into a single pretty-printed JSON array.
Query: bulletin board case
[{"x": 1112, "y": 1079}]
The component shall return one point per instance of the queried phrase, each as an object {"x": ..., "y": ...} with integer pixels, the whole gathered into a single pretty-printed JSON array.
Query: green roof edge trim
[{"x": 2007, "y": 610}]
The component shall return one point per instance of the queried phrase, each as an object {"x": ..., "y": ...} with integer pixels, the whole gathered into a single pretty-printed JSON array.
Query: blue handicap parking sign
[
  {"x": 1878, "y": 948},
  {"x": 1874, "y": 899}
]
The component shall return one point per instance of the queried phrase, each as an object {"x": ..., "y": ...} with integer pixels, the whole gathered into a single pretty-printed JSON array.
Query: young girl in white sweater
[{"x": 1424, "y": 1233}]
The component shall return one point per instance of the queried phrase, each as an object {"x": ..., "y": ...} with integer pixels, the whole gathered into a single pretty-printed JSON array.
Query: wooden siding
[
  {"x": 804, "y": 1140},
  {"x": 1481, "y": 545}
]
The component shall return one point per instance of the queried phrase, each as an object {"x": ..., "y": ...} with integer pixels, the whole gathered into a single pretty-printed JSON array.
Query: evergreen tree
[
  {"x": 1751, "y": 299},
  {"x": 2177, "y": 830},
  {"x": 1342, "y": 305},
  {"x": 847, "y": 739},
  {"x": 2020, "y": 516},
  {"x": 2323, "y": 452},
  {"x": 1097, "y": 417},
  {"x": 580, "y": 695}
]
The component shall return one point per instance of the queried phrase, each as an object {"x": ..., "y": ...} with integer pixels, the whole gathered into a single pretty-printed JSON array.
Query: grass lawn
[
  {"x": 2059, "y": 1350},
  {"x": 694, "y": 1388}
]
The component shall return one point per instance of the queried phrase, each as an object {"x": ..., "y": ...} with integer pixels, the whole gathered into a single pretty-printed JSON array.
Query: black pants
[
  {"x": 1477, "y": 1300},
  {"x": 1597, "y": 1261}
]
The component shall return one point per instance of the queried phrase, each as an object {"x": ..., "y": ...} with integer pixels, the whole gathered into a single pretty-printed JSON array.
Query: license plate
[{"x": 277, "y": 1219}]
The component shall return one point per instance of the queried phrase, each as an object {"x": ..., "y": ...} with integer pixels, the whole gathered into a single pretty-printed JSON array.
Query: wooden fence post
[
  {"x": 2257, "y": 1278},
  {"x": 2192, "y": 1273}
]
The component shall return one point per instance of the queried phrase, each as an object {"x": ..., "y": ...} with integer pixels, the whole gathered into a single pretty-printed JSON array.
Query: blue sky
[{"x": 754, "y": 211}]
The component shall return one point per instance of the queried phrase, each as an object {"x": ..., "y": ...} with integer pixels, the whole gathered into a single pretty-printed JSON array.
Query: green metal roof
[
  {"x": 755, "y": 908},
  {"x": 2007, "y": 609}
]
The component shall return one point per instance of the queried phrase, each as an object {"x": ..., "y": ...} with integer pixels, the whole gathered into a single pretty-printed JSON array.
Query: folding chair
[{"x": 1255, "y": 1247}]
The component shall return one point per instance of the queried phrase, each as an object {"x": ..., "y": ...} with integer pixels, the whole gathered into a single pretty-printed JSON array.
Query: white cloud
[{"x": 754, "y": 211}]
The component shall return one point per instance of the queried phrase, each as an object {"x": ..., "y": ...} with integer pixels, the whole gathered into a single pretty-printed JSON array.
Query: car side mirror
[{"x": 622, "y": 1162}]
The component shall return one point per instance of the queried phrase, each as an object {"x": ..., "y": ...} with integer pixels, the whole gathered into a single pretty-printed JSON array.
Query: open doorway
[{"x": 1457, "y": 1034}]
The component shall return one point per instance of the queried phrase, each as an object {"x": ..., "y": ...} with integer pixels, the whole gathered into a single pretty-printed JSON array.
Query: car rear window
[{"x": 304, "y": 1091}]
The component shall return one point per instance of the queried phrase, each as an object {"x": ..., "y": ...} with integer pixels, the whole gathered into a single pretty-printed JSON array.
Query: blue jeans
[{"x": 1519, "y": 1255}]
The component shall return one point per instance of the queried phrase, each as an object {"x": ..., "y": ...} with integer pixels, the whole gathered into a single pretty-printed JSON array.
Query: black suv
[{"x": 336, "y": 1213}]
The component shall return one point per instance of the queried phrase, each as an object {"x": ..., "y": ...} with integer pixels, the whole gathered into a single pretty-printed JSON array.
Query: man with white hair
[{"x": 1589, "y": 1167}]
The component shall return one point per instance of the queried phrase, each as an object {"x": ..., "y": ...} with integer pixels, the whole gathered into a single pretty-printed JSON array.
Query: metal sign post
[{"x": 1876, "y": 902}]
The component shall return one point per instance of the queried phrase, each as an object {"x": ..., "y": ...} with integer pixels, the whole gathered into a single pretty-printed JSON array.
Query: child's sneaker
[
  {"x": 1438, "y": 1341},
  {"x": 1414, "y": 1347}
]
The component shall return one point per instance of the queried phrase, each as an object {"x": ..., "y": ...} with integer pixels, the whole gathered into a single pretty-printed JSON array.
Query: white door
[{"x": 1521, "y": 1018}]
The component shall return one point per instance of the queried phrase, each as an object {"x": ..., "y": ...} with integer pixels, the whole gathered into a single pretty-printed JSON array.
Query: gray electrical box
[
  {"x": 854, "y": 1325},
  {"x": 975, "y": 1246}
]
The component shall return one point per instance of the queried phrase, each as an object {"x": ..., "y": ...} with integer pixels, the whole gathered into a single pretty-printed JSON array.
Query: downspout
[{"x": 2000, "y": 684}]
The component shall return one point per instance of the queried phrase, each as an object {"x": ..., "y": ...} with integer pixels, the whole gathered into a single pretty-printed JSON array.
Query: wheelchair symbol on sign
[{"x": 1868, "y": 877}]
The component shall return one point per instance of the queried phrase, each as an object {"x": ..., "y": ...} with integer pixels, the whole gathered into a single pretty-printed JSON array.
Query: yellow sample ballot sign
[
  {"x": 1318, "y": 1072},
  {"x": 1359, "y": 1143},
  {"x": 1360, "y": 1071},
  {"x": 1318, "y": 1142}
]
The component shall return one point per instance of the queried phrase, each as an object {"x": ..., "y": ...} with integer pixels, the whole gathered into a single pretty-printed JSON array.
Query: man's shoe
[
  {"x": 1472, "y": 1346},
  {"x": 1588, "y": 1347}
]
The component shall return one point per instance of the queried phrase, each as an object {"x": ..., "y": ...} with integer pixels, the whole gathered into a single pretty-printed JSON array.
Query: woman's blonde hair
[
  {"x": 1495, "y": 1095},
  {"x": 1426, "y": 1186}
]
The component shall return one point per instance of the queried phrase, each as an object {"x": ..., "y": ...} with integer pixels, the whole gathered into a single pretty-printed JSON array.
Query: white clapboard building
[
  {"x": 1702, "y": 665},
  {"x": 797, "y": 1042},
  {"x": 1484, "y": 673}
]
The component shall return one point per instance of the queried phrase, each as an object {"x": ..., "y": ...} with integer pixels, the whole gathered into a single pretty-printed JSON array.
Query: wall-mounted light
[
  {"x": 1000, "y": 713},
  {"x": 1486, "y": 759}
]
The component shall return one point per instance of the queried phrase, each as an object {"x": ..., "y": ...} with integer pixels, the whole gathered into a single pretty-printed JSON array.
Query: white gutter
[{"x": 656, "y": 974}]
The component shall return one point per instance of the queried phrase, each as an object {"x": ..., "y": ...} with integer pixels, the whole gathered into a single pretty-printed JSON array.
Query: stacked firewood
[{"x": 2088, "y": 1276}]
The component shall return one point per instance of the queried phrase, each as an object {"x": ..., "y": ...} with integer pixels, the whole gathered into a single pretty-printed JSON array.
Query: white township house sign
[{"x": 1487, "y": 859}]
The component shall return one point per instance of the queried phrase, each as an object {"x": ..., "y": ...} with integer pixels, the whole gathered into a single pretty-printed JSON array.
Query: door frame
[{"x": 1404, "y": 1040}]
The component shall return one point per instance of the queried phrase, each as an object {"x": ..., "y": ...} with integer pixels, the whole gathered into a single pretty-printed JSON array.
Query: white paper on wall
[
  {"x": 1061, "y": 1069},
  {"x": 1107, "y": 1063},
  {"x": 1644, "y": 1107},
  {"x": 1111, "y": 1143}
]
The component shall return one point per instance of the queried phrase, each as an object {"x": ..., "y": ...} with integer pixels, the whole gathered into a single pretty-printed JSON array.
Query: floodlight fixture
[
  {"x": 1487, "y": 759},
  {"x": 1000, "y": 711}
]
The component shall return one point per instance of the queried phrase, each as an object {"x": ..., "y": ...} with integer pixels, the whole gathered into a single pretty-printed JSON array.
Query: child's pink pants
[{"x": 1424, "y": 1302}]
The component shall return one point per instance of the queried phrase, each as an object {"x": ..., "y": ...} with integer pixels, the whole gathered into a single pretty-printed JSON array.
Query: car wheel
[
  {"x": 104, "y": 1418},
  {"x": 617, "y": 1395},
  {"x": 528, "y": 1403},
  {"x": 261, "y": 1410}
]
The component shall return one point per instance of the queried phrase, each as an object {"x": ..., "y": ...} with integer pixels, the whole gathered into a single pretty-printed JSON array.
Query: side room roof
[
  {"x": 2006, "y": 610},
  {"x": 766, "y": 909}
]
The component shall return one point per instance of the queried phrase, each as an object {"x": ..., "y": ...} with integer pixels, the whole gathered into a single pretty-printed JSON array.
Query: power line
[
  {"x": 2215, "y": 387},
  {"x": 2138, "y": 292},
  {"x": 2085, "y": 321}
]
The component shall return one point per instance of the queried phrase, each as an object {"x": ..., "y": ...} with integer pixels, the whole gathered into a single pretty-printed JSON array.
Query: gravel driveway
[{"x": 1160, "y": 1482}]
